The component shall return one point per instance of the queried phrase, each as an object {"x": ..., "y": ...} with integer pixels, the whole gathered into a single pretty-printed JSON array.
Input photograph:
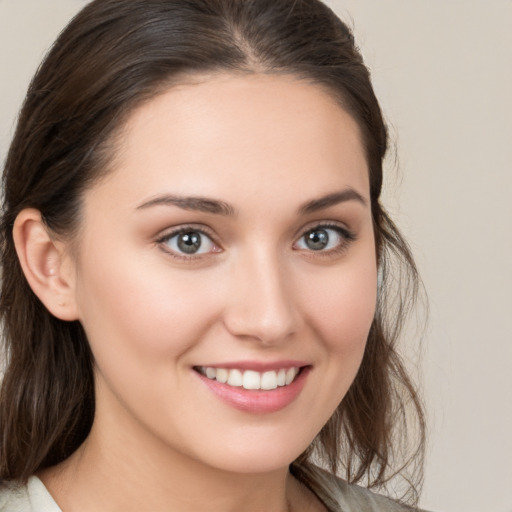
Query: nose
[{"x": 261, "y": 304}]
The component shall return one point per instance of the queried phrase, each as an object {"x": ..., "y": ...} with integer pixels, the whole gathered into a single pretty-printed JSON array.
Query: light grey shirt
[
  {"x": 336, "y": 494},
  {"x": 32, "y": 497}
]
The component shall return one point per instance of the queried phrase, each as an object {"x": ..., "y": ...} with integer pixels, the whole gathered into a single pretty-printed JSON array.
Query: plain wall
[{"x": 442, "y": 70}]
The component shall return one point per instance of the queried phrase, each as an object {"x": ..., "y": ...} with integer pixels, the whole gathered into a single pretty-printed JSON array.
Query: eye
[
  {"x": 325, "y": 238},
  {"x": 188, "y": 242}
]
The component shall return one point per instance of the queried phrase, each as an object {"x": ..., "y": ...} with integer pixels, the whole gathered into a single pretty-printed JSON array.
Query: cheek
[
  {"x": 342, "y": 308},
  {"x": 148, "y": 311}
]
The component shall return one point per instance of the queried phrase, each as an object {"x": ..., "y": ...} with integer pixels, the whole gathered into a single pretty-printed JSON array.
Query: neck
[
  {"x": 122, "y": 474},
  {"x": 123, "y": 465}
]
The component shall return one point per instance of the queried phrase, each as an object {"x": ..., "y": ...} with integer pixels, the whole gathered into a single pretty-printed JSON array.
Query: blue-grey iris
[
  {"x": 317, "y": 240},
  {"x": 189, "y": 242}
]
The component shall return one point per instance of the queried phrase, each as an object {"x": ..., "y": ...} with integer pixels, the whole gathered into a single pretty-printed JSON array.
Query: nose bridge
[{"x": 262, "y": 304}]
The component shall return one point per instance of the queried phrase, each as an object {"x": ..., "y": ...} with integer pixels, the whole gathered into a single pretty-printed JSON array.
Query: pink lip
[{"x": 258, "y": 401}]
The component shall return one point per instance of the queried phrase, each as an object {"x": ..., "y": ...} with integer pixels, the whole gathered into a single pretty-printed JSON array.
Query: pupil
[
  {"x": 317, "y": 240},
  {"x": 189, "y": 242}
]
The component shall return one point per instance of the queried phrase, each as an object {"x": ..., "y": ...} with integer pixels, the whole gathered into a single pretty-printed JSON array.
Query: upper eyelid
[
  {"x": 330, "y": 224},
  {"x": 183, "y": 228}
]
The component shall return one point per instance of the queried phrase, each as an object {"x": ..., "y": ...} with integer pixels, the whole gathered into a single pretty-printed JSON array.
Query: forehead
[{"x": 257, "y": 133}]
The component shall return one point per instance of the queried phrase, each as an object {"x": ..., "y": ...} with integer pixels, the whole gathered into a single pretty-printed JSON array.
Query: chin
[
  {"x": 256, "y": 455},
  {"x": 256, "y": 463}
]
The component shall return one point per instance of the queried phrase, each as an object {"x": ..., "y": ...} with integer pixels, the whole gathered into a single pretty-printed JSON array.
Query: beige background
[{"x": 443, "y": 72}]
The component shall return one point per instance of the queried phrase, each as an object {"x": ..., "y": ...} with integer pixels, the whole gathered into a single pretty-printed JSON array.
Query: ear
[{"x": 46, "y": 264}]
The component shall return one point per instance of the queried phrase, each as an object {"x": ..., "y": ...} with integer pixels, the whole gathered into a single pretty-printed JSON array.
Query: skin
[{"x": 161, "y": 440}]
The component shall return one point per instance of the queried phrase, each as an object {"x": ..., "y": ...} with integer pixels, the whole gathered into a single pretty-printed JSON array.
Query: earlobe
[{"x": 45, "y": 264}]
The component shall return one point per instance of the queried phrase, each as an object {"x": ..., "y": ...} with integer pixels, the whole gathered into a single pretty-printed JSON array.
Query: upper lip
[{"x": 257, "y": 366}]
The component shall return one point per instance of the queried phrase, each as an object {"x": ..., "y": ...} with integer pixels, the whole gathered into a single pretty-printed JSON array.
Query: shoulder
[
  {"x": 32, "y": 497},
  {"x": 339, "y": 496}
]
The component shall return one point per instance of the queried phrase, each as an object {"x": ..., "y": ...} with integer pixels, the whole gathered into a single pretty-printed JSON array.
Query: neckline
[{"x": 39, "y": 496}]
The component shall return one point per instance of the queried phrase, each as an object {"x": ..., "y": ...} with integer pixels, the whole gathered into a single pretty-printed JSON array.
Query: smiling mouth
[{"x": 250, "y": 379}]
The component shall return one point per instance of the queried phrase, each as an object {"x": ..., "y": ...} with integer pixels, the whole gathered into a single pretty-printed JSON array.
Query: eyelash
[
  {"x": 347, "y": 238},
  {"x": 346, "y": 235},
  {"x": 163, "y": 240}
]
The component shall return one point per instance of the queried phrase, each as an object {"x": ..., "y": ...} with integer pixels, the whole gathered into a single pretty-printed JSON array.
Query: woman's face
[{"x": 232, "y": 240}]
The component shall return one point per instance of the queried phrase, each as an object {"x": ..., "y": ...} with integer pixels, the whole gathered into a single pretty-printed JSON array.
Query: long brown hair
[{"x": 114, "y": 55}]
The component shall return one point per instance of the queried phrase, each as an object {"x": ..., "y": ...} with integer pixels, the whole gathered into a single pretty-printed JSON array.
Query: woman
[{"x": 192, "y": 240}]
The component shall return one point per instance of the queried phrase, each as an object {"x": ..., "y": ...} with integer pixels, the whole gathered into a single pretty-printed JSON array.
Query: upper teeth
[{"x": 250, "y": 379}]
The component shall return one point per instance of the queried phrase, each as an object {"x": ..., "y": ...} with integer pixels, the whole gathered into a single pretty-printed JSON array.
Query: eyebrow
[
  {"x": 217, "y": 207},
  {"x": 331, "y": 200},
  {"x": 200, "y": 204}
]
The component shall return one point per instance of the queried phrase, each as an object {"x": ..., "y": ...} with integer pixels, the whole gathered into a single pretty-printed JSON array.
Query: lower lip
[{"x": 258, "y": 401}]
